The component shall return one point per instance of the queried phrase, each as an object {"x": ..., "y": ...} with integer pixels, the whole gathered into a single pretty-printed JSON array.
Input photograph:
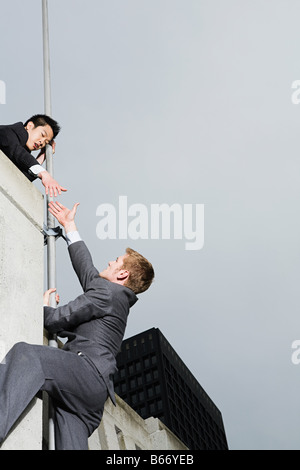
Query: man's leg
[
  {"x": 70, "y": 432},
  {"x": 71, "y": 380},
  {"x": 21, "y": 377},
  {"x": 78, "y": 395}
]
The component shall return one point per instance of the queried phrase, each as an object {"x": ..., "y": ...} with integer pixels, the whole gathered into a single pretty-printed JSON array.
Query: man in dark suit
[
  {"x": 78, "y": 377},
  {"x": 18, "y": 140}
]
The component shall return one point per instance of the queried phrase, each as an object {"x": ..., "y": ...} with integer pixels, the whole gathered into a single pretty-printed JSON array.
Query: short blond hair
[{"x": 141, "y": 272}]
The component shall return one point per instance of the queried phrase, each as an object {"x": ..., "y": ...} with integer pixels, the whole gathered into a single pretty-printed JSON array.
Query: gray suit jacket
[{"x": 94, "y": 322}]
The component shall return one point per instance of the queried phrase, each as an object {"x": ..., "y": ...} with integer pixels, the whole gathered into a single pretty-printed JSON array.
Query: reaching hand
[
  {"x": 64, "y": 215},
  {"x": 50, "y": 184}
]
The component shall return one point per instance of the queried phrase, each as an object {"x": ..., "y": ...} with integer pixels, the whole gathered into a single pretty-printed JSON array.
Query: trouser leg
[
  {"x": 74, "y": 384},
  {"x": 70, "y": 432},
  {"x": 21, "y": 377},
  {"x": 78, "y": 410}
]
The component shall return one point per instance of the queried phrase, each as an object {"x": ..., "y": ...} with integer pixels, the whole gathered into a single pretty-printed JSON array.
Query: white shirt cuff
[
  {"x": 36, "y": 169},
  {"x": 72, "y": 237}
]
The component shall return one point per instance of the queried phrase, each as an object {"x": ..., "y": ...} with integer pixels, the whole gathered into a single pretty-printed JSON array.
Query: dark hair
[{"x": 43, "y": 120}]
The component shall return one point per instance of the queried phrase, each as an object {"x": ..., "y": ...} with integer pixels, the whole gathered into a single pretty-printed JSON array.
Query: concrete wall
[
  {"x": 122, "y": 428},
  {"x": 21, "y": 283}
]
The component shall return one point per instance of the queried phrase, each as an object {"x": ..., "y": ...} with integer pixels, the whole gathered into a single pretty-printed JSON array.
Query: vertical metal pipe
[{"x": 51, "y": 249}]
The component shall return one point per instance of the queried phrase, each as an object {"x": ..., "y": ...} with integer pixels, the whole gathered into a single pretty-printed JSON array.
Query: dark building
[{"x": 154, "y": 381}]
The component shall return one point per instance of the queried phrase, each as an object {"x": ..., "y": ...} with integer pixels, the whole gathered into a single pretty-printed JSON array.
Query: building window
[
  {"x": 148, "y": 377},
  {"x": 153, "y": 359},
  {"x": 146, "y": 362},
  {"x": 152, "y": 407},
  {"x": 150, "y": 392},
  {"x": 132, "y": 383}
]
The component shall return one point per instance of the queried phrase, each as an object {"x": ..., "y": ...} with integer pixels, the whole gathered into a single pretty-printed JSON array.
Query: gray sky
[{"x": 187, "y": 102}]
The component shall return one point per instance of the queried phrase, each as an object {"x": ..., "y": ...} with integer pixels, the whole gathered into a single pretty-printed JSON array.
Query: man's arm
[
  {"x": 74, "y": 313},
  {"x": 80, "y": 256},
  {"x": 51, "y": 185},
  {"x": 23, "y": 159}
]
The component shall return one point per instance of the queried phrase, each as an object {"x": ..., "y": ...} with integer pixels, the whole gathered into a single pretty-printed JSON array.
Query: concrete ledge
[
  {"x": 21, "y": 284},
  {"x": 122, "y": 428},
  {"x": 21, "y": 192}
]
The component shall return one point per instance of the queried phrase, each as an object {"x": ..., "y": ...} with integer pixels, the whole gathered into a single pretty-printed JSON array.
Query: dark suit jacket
[
  {"x": 94, "y": 322},
  {"x": 13, "y": 140}
]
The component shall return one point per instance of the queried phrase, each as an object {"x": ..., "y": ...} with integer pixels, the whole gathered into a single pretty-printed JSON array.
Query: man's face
[
  {"x": 38, "y": 137},
  {"x": 113, "y": 271}
]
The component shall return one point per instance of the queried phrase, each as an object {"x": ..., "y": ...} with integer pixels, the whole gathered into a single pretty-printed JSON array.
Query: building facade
[
  {"x": 154, "y": 381},
  {"x": 21, "y": 284},
  {"x": 122, "y": 428}
]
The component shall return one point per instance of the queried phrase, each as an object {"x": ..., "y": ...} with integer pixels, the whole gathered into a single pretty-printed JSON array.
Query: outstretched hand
[
  {"x": 63, "y": 215},
  {"x": 52, "y": 187}
]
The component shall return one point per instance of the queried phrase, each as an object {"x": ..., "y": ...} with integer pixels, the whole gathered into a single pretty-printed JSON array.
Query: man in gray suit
[{"x": 78, "y": 377}]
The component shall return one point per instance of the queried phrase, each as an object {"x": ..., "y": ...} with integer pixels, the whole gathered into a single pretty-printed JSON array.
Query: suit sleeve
[
  {"x": 82, "y": 263},
  {"x": 77, "y": 311},
  {"x": 14, "y": 150}
]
